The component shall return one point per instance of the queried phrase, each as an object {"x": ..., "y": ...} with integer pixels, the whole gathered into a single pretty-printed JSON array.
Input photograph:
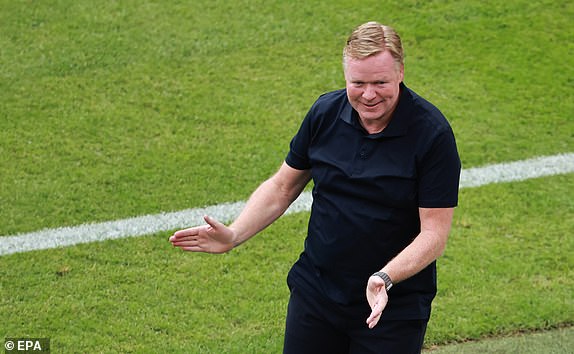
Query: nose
[{"x": 370, "y": 92}]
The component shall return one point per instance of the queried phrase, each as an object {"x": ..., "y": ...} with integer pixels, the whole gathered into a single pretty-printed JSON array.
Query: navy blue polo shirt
[{"x": 366, "y": 195}]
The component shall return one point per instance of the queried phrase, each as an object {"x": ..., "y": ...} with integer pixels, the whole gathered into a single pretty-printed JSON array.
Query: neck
[{"x": 375, "y": 126}]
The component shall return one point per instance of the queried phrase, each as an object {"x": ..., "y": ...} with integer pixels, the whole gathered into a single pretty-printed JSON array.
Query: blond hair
[{"x": 372, "y": 38}]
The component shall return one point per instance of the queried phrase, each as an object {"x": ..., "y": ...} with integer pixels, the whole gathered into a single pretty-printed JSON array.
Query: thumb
[{"x": 212, "y": 222}]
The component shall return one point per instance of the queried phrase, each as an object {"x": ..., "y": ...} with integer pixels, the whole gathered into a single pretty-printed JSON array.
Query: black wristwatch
[{"x": 386, "y": 279}]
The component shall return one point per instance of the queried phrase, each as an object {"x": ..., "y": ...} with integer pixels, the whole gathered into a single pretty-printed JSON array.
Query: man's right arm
[{"x": 269, "y": 201}]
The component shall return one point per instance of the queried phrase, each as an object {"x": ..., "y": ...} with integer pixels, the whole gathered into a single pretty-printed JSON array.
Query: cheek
[
  {"x": 353, "y": 94},
  {"x": 390, "y": 93}
]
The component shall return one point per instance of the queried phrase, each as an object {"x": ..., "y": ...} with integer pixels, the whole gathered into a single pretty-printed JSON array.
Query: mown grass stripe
[{"x": 149, "y": 224}]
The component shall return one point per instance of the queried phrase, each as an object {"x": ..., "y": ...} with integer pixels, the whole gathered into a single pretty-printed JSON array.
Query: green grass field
[{"x": 115, "y": 109}]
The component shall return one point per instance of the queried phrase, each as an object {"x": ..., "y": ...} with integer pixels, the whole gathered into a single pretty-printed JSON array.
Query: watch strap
[{"x": 386, "y": 279}]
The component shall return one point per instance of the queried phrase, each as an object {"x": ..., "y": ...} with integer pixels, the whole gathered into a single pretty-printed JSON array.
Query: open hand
[
  {"x": 214, "y": 237},
  {"x": 377, "y": 298}
]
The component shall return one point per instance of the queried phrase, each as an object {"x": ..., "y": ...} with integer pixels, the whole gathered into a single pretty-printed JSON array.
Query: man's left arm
[{"x": 429, "y": 244}]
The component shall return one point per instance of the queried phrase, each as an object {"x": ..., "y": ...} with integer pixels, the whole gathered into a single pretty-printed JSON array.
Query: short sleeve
[
  {"x": 298, "y": 155},
  {"x": 439, "y": 173}
]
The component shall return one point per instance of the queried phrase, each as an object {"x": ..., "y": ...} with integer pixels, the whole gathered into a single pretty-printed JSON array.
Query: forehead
[{"x": 381, "y": 65}]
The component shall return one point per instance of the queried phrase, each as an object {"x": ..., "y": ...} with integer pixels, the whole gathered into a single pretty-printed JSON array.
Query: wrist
[
  {"x": 235, "y": 239},
  {"x": 388, "y": 281}
]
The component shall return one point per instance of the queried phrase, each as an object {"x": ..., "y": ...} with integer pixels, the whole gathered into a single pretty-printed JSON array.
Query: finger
[
  {"x": 193, "y": 231},
  {"x": 184, "y": 243},
  {"x": 177, "y": 239},
  {"x": 372, "y": 321},
  {"x": 376, "y": 312},
  {"x": 375, "y": 315},
  {"x": 193, "y": 246},
  {"x": 212, "y": 222}
]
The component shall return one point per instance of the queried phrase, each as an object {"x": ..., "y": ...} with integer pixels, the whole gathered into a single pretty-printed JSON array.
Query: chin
[{"x": 371, "y": 115}]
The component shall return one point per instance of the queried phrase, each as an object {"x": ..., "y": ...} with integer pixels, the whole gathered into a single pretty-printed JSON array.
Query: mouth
[{"x": 372, "y": 105}]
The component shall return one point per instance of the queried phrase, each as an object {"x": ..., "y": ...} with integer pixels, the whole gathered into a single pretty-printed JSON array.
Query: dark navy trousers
[{"x": 316, "y": 324}]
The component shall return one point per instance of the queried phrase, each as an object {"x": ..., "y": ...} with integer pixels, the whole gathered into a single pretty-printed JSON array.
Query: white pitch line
[
  {"x": 150, "y": 224},
  {"x": 517, "y": 170}
]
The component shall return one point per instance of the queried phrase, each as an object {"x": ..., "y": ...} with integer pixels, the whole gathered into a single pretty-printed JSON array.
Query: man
[{"x": 385, "y": 169}]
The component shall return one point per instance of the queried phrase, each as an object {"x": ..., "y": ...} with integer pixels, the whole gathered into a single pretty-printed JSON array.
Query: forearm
[
  {"x": 429, "y": 245},
  {"x": 269, "y": 202},
  {"x": 263, "y": 207},
  {"x": 417, "y": 256}
]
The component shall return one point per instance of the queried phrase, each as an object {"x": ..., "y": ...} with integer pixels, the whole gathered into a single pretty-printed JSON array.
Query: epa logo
[{"x": 27, "y": 345}]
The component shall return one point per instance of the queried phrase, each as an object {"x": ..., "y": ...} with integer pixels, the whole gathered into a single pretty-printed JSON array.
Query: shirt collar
[{"x": 398, "y": 125}]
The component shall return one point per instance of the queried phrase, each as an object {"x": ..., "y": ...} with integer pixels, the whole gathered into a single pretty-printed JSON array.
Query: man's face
[{"x": 373, "y": 88}]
